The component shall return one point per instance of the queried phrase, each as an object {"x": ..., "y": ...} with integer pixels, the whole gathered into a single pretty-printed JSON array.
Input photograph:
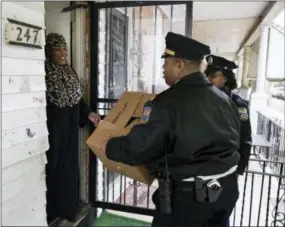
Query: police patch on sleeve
[
  {"x": 243, "y": 113},
  {"x": 145, "y": 114}
]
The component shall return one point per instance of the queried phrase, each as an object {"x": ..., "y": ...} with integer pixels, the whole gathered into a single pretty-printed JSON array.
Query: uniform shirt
[
  {"x": 194, "y": 123},
  {"x": 245, "y": 132}
]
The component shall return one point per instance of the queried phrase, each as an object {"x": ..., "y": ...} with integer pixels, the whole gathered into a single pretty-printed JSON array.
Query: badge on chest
[
  {"x": 243, "y": 113},
  {"x": 145, "y": 114}
]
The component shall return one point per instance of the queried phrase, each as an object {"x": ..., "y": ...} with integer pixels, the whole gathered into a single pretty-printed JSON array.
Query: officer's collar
[
  {"x": 197, "y": 78},
  {"x": 227, "y": 91}
]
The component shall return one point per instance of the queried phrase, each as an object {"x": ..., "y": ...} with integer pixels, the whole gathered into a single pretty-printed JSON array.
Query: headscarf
[{"x": 63, "y": 86}]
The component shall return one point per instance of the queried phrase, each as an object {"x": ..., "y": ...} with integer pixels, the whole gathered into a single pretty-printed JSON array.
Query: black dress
[{"x": 62, "y": 169}]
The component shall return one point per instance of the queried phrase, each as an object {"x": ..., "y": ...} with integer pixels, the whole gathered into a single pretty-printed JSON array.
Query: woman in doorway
[{"x": 66, "y": 112}]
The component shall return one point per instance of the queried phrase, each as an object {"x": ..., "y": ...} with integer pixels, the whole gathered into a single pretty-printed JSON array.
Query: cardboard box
[{"x": 121, "y": 118}]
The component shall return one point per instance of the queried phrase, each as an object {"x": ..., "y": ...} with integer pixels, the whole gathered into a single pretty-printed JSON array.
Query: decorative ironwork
[{"x": 137, "y": 55}]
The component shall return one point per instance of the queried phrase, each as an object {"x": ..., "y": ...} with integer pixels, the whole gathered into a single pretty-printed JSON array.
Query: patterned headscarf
[{"x": 63, "y": 86}]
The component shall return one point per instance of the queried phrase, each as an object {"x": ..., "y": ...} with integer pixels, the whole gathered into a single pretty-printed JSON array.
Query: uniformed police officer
[
  {"x": 188, "y": 139},
  {"x": 220, "y": 73}
]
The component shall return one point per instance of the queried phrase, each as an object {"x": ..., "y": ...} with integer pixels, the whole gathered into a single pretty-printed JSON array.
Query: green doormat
[{"x": 107, "y": 219}]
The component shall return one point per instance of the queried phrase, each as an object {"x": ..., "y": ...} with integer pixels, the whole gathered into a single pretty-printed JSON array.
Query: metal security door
[{"x": 127, "y": 43}]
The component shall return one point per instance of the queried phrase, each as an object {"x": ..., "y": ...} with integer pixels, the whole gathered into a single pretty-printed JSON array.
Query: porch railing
[{"x": 274, "y": 134}]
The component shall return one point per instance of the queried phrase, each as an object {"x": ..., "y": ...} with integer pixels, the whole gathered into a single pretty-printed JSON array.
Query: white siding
[{"x": 24, "y": 130}]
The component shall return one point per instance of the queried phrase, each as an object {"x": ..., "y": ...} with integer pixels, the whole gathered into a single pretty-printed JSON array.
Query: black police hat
[
  {"x": 220, "y": 63},
  {"x": 183, "y": 47}
]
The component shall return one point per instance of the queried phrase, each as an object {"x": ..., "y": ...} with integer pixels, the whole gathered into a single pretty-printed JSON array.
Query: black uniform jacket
[
  {"x": 194, "y": 123},
  {"x": 245, "y": 132}
]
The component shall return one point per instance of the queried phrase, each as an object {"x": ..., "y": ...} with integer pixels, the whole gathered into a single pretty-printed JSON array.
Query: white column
[
  {"x": 246, "y": 62},
  {"x": 240, "y": 70},
  {"x": 262, "y": 59},
  {"x": 243, "y": 90},
  {"x": 258, "y": 99}
]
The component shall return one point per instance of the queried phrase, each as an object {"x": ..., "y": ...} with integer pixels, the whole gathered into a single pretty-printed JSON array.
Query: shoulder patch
[
  {"x": 243, "y": 113},
  {"x": 145, "y": 114}
]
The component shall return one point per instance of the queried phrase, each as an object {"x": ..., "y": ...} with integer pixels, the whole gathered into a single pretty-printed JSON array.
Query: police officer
[
  {"x": 188, "y": 139},
  {"x": 220, "y": 73}
]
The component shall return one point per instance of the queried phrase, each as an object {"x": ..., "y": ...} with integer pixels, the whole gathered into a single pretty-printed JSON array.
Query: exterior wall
[
  {"x": 23, "y": 111},
  {"x": 58, "y": 22}
]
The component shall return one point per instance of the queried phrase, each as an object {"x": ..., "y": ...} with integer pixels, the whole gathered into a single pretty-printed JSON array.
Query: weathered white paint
[
  {"x": 34, "y": 191},
  {"x": 20, "y": 67},
  {"x": 24, "y": 151},
  {"x": 22, "y": 12},
  {"x": 13, "y": 137},
  {"x": 15, "y": 187},
  {"x": 14, "y": 172},
  {"x": 22, "y": 84},
  {"x": 24, "y": 129},
  {"x": 13, "y": 102},
  {"x": 11, "y": 120}
]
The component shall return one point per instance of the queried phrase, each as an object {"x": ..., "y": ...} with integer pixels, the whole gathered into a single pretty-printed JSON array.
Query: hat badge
[{"x": 210, "y": 60}]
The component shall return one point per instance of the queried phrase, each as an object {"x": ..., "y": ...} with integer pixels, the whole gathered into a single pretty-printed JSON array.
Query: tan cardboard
[{"x": 117, "y": 123}]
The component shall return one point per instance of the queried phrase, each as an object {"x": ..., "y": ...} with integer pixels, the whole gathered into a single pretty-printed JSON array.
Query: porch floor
[{"x": 108, "y": 219}]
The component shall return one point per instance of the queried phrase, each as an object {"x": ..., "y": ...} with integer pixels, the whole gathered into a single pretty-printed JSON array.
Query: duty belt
[{"x": 213, "y": 177}]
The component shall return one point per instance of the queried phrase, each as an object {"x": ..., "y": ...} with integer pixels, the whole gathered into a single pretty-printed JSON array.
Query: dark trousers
[
  {"x": 228, "y": 223},
  {"x": 186, "y": 211}
]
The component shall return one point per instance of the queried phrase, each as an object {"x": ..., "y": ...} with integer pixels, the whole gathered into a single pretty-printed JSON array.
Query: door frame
[{"x": 94, "y": 49}]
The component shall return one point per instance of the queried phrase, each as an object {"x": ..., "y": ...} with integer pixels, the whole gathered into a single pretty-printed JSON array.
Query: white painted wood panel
[
  {"x": 13, "y": 51},
  {"x": 24, "y": 151},
  {"x": 19, "y": 185},
  {"x": 35, "y": 6},
  {"x": 21, "y": 168},
  {"x": 22, "y": 67},
  {"x": 22, "y": 84},
  {"x": 23, "y": 14},
  {"x": 12, "y": 137},
  {"x": 13, "y": 102},
  {"x": 24, "y": 117},
  {"x": 24, "y": 129},
  {"x": 26, "y": 215},
  {"x": 36, "y": 190}
]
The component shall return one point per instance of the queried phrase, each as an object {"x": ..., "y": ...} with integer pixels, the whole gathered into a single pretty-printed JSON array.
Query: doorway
[
  {"x": 66, "y": 22},
  {"x": 130, "y": 62}
]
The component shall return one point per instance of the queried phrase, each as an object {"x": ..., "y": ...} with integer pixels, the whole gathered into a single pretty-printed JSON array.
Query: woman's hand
[{"x": 94, "y": 118}]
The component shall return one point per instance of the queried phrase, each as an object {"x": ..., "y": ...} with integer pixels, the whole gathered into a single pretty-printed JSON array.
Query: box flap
[{"x": 124, "y": 109}]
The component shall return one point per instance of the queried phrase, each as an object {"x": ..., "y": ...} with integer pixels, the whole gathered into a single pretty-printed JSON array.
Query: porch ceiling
[
  {"x": 227, "y": 10},
  {"x": 223, "y": 25}
]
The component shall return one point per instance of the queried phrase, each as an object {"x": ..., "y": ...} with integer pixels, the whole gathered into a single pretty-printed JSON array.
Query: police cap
[
  {"x": 220, "y": 63},
  {"x": 183, "y": 47}
]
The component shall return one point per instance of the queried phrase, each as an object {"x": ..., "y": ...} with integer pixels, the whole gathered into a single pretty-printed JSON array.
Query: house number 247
[{"x": 27, "y": 34}]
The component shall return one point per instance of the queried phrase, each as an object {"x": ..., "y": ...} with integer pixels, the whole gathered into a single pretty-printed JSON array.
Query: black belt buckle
[
  {"x": 165, "y": 195},
  {"x": 201, "y": 190},
  {"x": 214, "y": 190}
]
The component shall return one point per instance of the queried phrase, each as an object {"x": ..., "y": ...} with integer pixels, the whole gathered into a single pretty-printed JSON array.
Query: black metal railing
[
  {"x": 262, "y": 187},
  {"x": 274, "y": 134},
  {"x": 262, "y": 196},
  {"x": 261, "y": 200}
]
